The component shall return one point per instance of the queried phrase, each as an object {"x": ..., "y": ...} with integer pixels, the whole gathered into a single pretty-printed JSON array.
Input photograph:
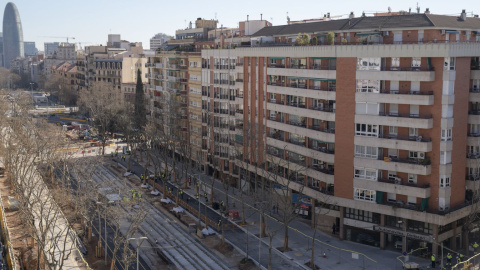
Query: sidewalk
[{"x": 338, "y": 253}]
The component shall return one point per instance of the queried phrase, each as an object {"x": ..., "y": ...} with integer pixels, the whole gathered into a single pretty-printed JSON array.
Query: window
[
  {"x": 367, "y": 108},
  {"x": 366, "y": 130},
  {"x": 362, "y": 215},
  {"x": 365, "y": 173},
  {"x": 416, "y": 63},
  {"x": 447, "y": 134},
  {"x": 449, "y": 63},
  {"x": 412, "y": 178},
  {"x": 447, "y": 111},
  {"x": 411, "y": 200},
  {"x": 445, "y": 157},
  {"x": 392, "y": 131},
  {"x": 391, "y": 197},
  {"x": 392, "y": 175},
  {"x": 444, "y": 181},
  {"x": 416, "y": 155},
  {"x": 368, "y": 86},
  {"x": 418, "y": 226},
  {"x": 395, "y": 63},
  {"x": 393, "y": 153},
  {"x": 368, "y": 63},
  {"x": 366, "y": 151},
  {"x": 413, "y": 132},
  {"x": 414, "y": 110},
  {"x": 394, "y": 86},
  {"x": 364, "y": 194},
  {"x": 393, "y": 109}
]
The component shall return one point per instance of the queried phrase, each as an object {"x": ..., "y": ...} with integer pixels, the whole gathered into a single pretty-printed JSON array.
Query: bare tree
[{"x": 103, "y": 104}]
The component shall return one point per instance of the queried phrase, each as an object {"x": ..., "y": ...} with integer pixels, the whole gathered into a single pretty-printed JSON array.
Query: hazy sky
[{"x": 139, "y": 20}]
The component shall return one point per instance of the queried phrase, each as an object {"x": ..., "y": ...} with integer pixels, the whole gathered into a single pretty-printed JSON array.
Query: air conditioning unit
[
  {"x": 421, "y": 155},
  {"x": 386, "y": 33},
  {"x": 442, "y": 32}
]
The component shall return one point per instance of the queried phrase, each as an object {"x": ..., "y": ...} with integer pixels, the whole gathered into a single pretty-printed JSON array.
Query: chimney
[
  {"x": 418, "y": 9},
  {"x": 463, "y": 15},
  {"x": 351, "y": 16},
  {"x": 261, "y": 15},
  {"x": 427, "y": 11},
  {"x": 409, "y": 10},
  {"x": 328, "y": 15},
  {"x": 363, "y": 14}
]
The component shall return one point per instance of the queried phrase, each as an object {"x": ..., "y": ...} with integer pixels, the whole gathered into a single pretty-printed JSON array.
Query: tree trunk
[{"x": 285, "y": 240}]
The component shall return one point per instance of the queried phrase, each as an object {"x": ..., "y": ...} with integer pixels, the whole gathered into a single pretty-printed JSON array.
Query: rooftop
[{"x": 378, "y": 23}]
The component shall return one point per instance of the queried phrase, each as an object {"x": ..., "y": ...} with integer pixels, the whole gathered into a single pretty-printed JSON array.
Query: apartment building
[
  {"x": 195, "y": 109},
  {"x": 168, "y": 91},
  {"x": 379, "y": 119}
]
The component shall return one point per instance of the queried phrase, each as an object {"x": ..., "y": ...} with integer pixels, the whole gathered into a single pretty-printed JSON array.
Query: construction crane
[
  {"x": 82, "y": 42},
  {"x": 58, "y": 37}
]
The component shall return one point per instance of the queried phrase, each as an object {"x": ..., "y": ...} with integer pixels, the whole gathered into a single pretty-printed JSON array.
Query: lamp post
[
  {"x": 138, "y": 246},
  {"x": 198, "y": 194}
]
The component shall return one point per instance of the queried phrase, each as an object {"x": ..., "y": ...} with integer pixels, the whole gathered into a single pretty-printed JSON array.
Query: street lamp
[{"x": 138, "y": 246}]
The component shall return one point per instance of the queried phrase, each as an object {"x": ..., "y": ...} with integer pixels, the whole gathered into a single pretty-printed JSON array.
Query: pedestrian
[
  {"x": 449, "y": 259},
  {"x": 273, "y": 209},
  {"x": 433, "y": 260},
  {"x": 156, "y": 241},
  {"x": 334, "y": 228},
  {"x": 277, "y": 208}
]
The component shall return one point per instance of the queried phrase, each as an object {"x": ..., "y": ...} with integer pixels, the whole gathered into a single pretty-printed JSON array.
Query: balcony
[
  {"x": 474, "y": 95},
  {"x": 303, "y": 73},
  {"x": 313, "y": 92},
  {"x": 417, "y": 143},
  {"x": 394, "y": 186},
  {"x": 398, "y": 74},
  {"x": 302, "y": 112},
  {"x": 410, "y": 97},
  {"x": 472, "y": 182},
  {"x": 301, "y": 149},
  {"x": 474, "y": 117},
  {"x": 322, "y": 134},
  {"x": 413, "y": 166},
  {"x": 475, "y": 74},
  {"x": 397, "y": 119}
]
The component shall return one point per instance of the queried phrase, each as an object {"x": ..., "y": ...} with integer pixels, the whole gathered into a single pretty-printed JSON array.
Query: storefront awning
[{"x": 277, "y": 58}]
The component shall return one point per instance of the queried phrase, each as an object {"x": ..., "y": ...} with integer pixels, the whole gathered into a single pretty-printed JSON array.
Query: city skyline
[{"x": 40, "y": 23}]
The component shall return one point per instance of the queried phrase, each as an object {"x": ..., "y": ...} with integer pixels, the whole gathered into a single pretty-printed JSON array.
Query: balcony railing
[
  {"x": 321, "y": 108},
  {"x": 296, "y": 104},
  {"x": 475, "y": 90},
  {"x": 298, "y": 85},
  {"x": 397, "y": 92},
  {"x": 473, "y": 134},
  {"x": 277, "y": 66},
  {"x": 404, "y": 138},
  {"x": 322, "y": 149},
  {"x": 472, "y": 177},
  {"x": 298, "y": 124},
  {"x": 406, "y": 68},
  {"x": 323, "y": 129},
  {"x": 398, "y": 181},
  {"x": 296, "y": 142},
  {"x": 406, "y": 115},
  {"x": 323, "y": 170},
  {"x": 416, "y": 161},
  {"x": 474, "y": 112},
  {"x": 473, "y": 155}
]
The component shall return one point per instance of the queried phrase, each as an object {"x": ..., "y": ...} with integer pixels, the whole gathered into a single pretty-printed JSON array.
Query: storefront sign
[{"x": 427, "y": 238}]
